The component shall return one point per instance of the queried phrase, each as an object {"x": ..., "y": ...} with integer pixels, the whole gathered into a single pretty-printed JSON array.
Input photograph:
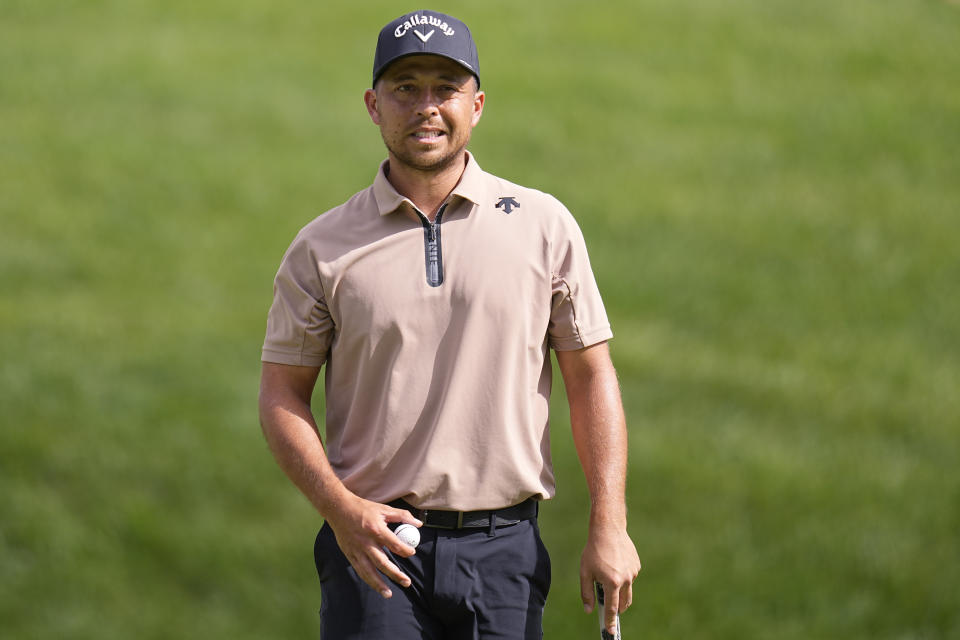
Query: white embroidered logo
[{"x": 428, "y": 20}]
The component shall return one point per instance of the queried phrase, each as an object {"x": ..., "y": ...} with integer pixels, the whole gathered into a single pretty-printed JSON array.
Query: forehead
[{"x": 427, "y": 66}]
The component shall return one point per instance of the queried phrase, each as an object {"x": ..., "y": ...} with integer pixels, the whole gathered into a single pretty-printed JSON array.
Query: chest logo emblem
[{"x": 508, "y": 204}]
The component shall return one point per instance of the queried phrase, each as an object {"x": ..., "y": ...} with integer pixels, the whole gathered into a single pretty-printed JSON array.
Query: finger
[
  {"x": 626, "y": 597},
  {"x": 401, "y": 515},
  {"x": 392, "y": 543},
  {"x": 586, "y": 593},
  {"x": 400, "y": 548},
  {"x": 392, "y": 571},
  {"x": 368, "y": 573},
  {"x": 610, "y": 604}
]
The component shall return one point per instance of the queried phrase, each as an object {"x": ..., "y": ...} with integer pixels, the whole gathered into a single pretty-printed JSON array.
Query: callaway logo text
[{"x": 415, "y": 20}]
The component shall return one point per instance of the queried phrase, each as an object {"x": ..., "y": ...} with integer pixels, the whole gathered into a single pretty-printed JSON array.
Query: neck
[{"x": 427, "y": 189}]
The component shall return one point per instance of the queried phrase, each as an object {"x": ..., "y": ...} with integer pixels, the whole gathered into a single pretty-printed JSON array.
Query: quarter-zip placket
[{"x": 433, "y": 254}]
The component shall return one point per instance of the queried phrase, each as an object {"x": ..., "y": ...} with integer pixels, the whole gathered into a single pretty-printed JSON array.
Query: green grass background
[{"x": 770, "y": 195}]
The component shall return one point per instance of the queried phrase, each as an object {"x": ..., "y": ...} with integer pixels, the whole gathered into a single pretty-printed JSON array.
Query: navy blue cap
[{"x": 426, "y": 32}]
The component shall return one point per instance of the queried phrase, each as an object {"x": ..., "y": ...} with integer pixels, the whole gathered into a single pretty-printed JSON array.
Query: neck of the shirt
[
  {"x": 426, "y": 190},
  {"x": 471, "y": 187}
]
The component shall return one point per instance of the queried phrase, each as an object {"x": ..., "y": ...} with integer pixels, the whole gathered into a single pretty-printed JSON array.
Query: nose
[{"x": 429, "y": 104}]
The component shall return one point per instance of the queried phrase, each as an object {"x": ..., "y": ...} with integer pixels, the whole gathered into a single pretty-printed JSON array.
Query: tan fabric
[{"x": 438, "y": 394}]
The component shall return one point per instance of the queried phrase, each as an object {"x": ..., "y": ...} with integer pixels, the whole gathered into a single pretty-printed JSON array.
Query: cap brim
[{"x": 379, "y": 72}]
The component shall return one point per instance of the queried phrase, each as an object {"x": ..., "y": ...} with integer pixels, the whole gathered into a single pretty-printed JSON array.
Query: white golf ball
[{"x": 408, "y": 534}]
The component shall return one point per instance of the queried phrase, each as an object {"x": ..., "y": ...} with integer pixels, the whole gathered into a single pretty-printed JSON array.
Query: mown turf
[{"x": 769, "y": 193}]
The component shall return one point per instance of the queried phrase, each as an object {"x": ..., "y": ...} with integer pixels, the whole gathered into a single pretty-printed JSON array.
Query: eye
[{"x": 448, "y": 89}]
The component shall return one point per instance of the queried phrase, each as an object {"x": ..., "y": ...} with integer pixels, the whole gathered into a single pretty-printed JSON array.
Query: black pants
[{"x": 466, "y": 585}]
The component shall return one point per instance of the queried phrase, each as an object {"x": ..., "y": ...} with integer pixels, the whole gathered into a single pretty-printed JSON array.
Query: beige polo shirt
[{"x": 436, "y": 337}]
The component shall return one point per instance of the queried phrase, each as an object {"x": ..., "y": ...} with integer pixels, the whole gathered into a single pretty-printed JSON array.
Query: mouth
[{"x": 428, "y": 136}]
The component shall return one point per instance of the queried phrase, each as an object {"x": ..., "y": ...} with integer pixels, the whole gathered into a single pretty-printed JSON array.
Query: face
[{"x": 426, "y": 107}]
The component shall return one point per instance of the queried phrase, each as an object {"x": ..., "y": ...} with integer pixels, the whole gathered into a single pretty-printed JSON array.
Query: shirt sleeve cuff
[
  {"x": 295, "y": 359},
  {"x": 581, "y": 340}
]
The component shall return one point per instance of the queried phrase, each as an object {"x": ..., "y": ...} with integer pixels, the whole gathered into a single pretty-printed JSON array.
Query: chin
[{"x": 429, "y": 161}]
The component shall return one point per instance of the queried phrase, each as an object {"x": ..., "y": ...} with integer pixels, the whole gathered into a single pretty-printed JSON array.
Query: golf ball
[{"x": 408, "y": 534}]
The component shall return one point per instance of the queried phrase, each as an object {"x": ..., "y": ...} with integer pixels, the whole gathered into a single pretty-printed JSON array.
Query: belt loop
[
  {"x": 492, "y": 531},
  {"x": 459, "y": 520}
]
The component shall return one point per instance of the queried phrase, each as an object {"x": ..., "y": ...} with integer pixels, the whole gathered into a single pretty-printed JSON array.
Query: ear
[
  {"x": 370, "y": 99},
  {"x": 478, "y": 101}
]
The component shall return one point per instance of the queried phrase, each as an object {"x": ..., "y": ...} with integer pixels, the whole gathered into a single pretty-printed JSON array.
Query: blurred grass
[{"x": 769, "y": 193}]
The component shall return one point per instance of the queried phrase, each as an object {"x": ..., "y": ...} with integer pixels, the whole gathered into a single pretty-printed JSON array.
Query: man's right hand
[
  {"x": 360, "y": 525},
  {"x": 362, "y": 533}
]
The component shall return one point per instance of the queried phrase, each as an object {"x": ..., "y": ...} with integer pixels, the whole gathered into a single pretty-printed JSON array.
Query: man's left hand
[{"x": 611, "y": 559}]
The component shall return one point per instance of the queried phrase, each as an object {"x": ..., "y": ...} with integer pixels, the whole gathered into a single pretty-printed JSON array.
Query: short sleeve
[
  {"x": 577, "y": 315},
  {"x": 299, "y": 326}
]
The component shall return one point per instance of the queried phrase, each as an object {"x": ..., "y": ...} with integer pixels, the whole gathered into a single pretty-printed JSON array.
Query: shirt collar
[{"x": 389, "y": 200}]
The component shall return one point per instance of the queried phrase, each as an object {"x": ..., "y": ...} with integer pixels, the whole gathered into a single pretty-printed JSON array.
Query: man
[{"x": 433, "y": 298}]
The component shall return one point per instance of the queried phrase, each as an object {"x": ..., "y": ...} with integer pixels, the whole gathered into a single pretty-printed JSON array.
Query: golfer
[{"x": 432, "y": 300}]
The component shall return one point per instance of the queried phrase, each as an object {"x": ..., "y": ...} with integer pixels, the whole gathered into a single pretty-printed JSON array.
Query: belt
[{"x": 441, "y": 519}]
